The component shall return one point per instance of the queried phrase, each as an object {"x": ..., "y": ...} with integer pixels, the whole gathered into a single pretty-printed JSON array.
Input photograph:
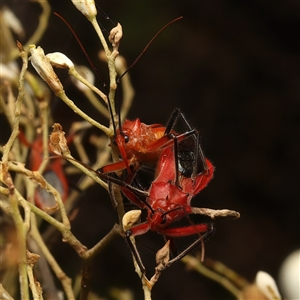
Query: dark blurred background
[{"x": 233, "y": 69}]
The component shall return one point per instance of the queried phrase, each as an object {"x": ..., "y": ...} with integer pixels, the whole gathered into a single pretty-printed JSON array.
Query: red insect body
[
  {"x": 168, "y": 201},
  {"x": 139, "y": 143},
  {"x": 144, "y": 141}
]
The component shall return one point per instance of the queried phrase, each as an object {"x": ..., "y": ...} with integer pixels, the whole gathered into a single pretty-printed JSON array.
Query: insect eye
[
  {"x": 126, "y": 139},
  {"x": 164, "y": 220}
]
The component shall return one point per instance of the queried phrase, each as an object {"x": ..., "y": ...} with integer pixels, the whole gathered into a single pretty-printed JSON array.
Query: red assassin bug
[
  {"x": 139, "y": 143},
  {"x": 168, "y": 199},
  {"x": 54, "y": 173},
  {"x": 169, "y": 196}
]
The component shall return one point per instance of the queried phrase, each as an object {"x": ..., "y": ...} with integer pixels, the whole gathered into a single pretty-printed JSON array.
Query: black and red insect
[{"x": 182, "y": 172}]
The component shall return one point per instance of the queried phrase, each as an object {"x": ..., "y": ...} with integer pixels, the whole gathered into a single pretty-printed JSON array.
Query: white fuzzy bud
[
  {"x": 59, "y": 60},
  {"x": 130, "y": 218},
  {"x": 267, "y": 285}
]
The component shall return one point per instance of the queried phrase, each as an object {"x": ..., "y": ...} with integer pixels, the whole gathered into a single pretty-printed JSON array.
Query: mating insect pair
[{"x": 182, "y": 171}]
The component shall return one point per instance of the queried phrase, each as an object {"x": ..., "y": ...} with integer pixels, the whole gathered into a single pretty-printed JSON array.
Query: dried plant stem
[
  {"x": 117, "y": 196},
  {"x": 146, "y": 285},
  {"x": 65, "y": 280},
  {"x": 87, "y": 181},
  {"x": 91, "y": 253},
  {"x": 8, "y": 106},
  {"x": 30, "y": 185},
  {"x": 45, "y": 123},
  {"x": 21, "y": 233},
  {"x": 6, "y": 178},
  {"x": 5, "y": 295},
  {"x": 88, "y": 172},
  {"x": 33, "y": 283},
  {"x": 111, "y": 56},
  {"x": 95, "y": 102},
  {"x": 7, "y": 147},
  {"x": 63, "y": 227},
  {"x": 40, "y": 29},
  {"x": 41, "y": 180},
  {"x": 195, "y": 264},
  {"x": 213, "y": 213},
  {"x": 74, "y": 73},
  {"x": 223, "y": 270},
  {"x": 128, "y": 91},
  {"x": 89, "y": 258},
  {"x": 62, "y": 95}
]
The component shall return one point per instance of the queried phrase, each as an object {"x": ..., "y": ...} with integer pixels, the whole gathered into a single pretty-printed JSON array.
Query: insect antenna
[
  {"x": 137, "y": 59},
  {"x": 147, "y": 46}
]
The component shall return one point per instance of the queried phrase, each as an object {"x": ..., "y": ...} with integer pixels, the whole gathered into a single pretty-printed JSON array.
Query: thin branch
[
  {"x": 195, "y": 264},
  {"x": 65, "y": 280},
  {"x": 40, "y": 29},
  {"x": 4, "y": 294}
]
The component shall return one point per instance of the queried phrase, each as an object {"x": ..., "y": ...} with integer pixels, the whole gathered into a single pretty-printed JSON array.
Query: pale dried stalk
[
  {"x": 62, "y": 95},
  {"x": 64, "y": 279},
  {"x": 214, "y": 213},
  {"x": 128, "y": 91},
  {"x": 33, "y": 283},
  {"x": 95, "y": 102},
  {"x": 86, "y": 171},
  {"x": 19, "y": 168},
  {"x": 44, "y": 107},
  {"x": 68, "y": 236},
  {"x": 7, "y": 147},
  {"x": 40, "y": 29},
  {"x": 43, "y": 67},
  {"x": 5, "y": 295},
  {"x": 7, "y": 180},
  {"x": 73, "y": 72},
  {"x": 195, "y": 264},
  {"x": 21, "y": 233}
]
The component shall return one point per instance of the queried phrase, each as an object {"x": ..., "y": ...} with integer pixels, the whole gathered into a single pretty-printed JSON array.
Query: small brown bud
[
  {"x": 58, "y": 142},
  {"x": 115, "y": 35}
]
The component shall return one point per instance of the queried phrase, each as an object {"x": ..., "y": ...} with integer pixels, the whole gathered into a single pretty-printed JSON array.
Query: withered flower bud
[
  {"x": 86, "y": 7},
  {"x": 115, "y": 35},
  {"x": 43, "y": 67},
  {"x": 58, "y": 142},
  {"x": 163, "y": 255}
]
